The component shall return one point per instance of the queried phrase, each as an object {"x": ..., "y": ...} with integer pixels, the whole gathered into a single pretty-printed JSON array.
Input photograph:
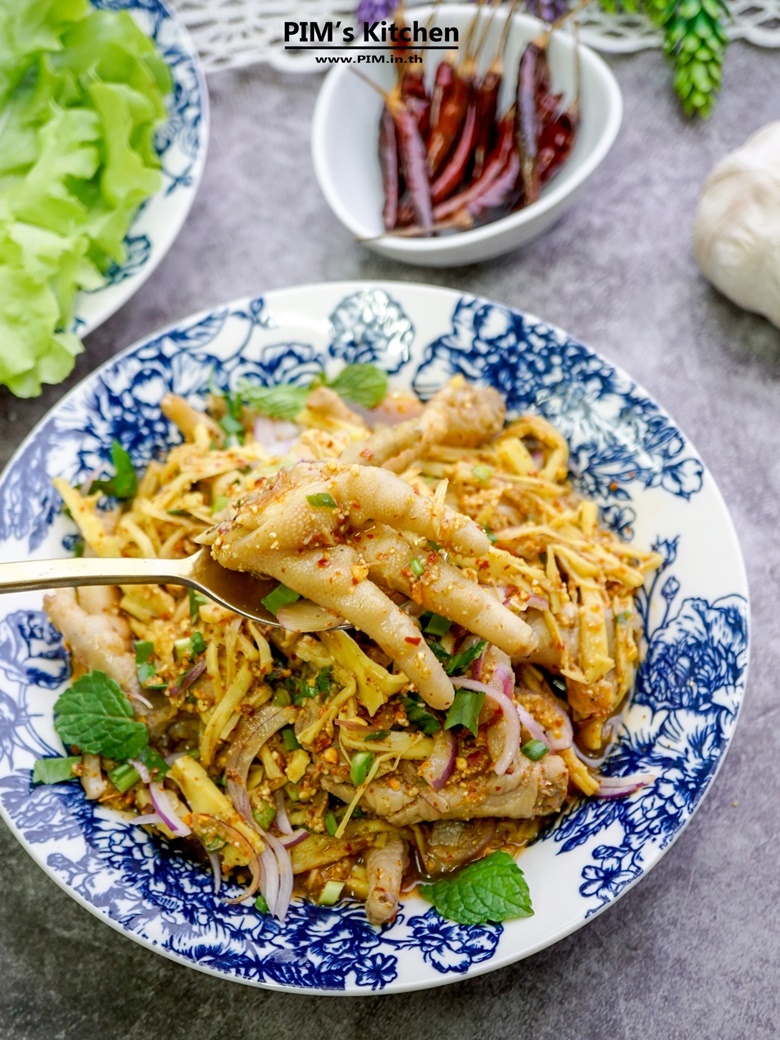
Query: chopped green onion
[
  {"x": 416, "y": 567},
  {"x": 281, "y": 697},
  {"x": 491, "y": 537},
  {"x": 361, "y": 764},
  {"x": 260, "y": 903},
  {"x": 293, "y": 792},
  {"x": 289, "y": 739},
  {"x": 192, "y": 646},
  {"x": 331, "y": 824},
  {"x": 379, "y": 735},
  {"x": 124, "y": 776},
  {"x": 483, "y": 473},
  {"x": 280, "y": 597},
  {"x": 264, "y": 816},
  {"x": 78, "y": 547},
  {"x": 558, "y": 684},
  {"x": 535, "y": 749},
  {"x": 195, "y": 601},
  {"x": 437, "y": 625},
  {"x": 177, "y": 512},
  {"x": 220, "y": 504},
  {"x": 182, "y": 647},
  {"x": 331, "y": 893},
  {"x": 54, "y": 770},
  {"x": 322, "y": 500}
]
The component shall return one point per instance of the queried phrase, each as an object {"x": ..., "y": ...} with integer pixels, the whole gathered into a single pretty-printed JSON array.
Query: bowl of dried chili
[{"x": 443, "y": 157}]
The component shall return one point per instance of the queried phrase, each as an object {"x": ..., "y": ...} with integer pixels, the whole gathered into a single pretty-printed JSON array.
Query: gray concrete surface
[{"x": 693, "y": 951}]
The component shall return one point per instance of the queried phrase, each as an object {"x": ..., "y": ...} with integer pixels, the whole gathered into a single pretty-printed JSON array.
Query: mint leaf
[
  {"x": 489, "y": 891},
  {"x": 54, "y": 770},
  {"x": 124, "y": 482},
  {"x": 465, "y": 709},
  {"x": 362, "y": 384},
  {"x": 277, "y": 402},
  {"x": 95, "y": 716}
]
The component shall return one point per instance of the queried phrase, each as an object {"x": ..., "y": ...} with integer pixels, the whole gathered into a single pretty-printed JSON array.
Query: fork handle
[{"x": 90, "y": 570}]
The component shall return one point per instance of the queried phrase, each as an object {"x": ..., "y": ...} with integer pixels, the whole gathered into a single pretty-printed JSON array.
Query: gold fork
[{"x": 235, "y": 590}]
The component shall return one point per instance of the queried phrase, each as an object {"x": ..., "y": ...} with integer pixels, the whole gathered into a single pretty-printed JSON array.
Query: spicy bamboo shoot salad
[{"x": 458, "y": 634}]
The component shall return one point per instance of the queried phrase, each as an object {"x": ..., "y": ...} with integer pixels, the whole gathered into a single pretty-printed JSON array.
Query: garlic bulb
[{"x": 736, "y": 234}]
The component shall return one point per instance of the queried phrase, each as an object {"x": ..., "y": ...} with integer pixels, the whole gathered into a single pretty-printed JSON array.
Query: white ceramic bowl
[{"x": 345, "y": 135}]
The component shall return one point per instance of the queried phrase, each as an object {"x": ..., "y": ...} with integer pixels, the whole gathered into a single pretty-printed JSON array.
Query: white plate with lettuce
[
  {"x": 626, "y": 453},
  {"x": 103, "y": 133}
]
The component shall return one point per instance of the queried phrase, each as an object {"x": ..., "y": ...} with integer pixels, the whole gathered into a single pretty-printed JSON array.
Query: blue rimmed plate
[
  {"x": 625, "y": 452},
  {"x": 181, "y": 144}
]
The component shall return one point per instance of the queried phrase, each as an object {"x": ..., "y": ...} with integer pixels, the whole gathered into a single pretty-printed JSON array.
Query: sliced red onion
[
  {"x": 537, "y": 603},
  {"x": 305, "y": 616},
  {"x": 566, "y": 737},
  {"x": 140, "y": 768},
  {"x": 139, "y": 697},
  {"x": 235, "y": 837},
  {"x": 170, "y": 759},
  {"x": 166, "y": 812},
  {"x": 508, "y": 709},
  {"x": 216, "y": 869},
  {"x": 619, "y": 786},
  {"x": 188, "y": 678},
  {"x": 269, "y": 885},
  {"x": 534, "y": 728},
  {"x": 503, "y": 678},
  {"x": 357, "y": 727},
  {"x": 148, "y": 820},
  {"x": 479, "y": 664},
  {"x": 594, "y": 761},
  {"x": 275, "y": 435},
  {"x": 282, "y": 821},
  {"x": 251, "y": 734},
  {"x": 295, "y": 838},
  {"x": 438, "y": 767},
  {"x": 285, "y": 877}
]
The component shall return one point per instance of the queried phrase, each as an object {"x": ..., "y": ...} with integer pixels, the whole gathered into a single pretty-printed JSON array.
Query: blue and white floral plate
[
  {"x": 625, "y": 451},
  {"x": 181, "y": 144}
]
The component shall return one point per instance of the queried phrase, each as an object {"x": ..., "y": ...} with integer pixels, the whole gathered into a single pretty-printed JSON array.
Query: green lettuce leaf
[{"x": 82, "y": 93}]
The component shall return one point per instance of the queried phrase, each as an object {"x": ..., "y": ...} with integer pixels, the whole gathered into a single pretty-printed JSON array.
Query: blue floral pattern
[
  {"x": 616, "y": 434},
  {"x": 690, "y": 679},
  {"x": 684, "y": 706}
]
